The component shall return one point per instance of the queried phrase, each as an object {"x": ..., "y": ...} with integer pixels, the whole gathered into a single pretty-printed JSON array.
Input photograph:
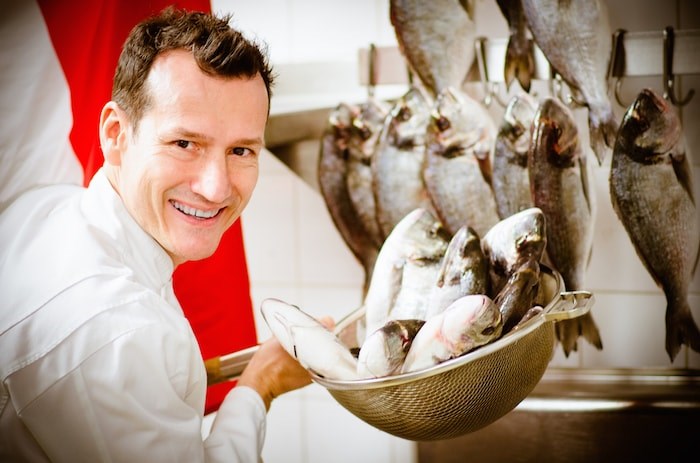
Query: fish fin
[
  {"x": 602, "y": 136},
  {"x": 568, "y": 331},
  {"x": 681, "y": 329},
  {"x": 585, "y": 182},
  {"x": 683, "y": 172}
]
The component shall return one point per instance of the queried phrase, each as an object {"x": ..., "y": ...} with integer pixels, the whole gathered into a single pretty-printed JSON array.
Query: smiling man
[{"x": 97, "y": 361}]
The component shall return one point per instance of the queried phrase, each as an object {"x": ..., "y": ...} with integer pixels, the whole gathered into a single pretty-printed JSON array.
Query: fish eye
[{"x": 488, "y": 330}]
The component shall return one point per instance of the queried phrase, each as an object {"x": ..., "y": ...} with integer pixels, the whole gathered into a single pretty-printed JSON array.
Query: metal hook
[
  {"x": 669, "y": 79},
  {"x": 617, "y": 64},
  {"x": 372, "y": 78},
  {"x": 489, "y": 87}
]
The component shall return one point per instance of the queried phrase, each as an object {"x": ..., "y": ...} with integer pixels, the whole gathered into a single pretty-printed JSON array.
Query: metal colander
[{"x": 464, "y": 394}]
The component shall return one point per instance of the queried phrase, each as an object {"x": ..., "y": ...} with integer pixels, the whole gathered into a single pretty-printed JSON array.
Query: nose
[{"x": 213, "y": 180}]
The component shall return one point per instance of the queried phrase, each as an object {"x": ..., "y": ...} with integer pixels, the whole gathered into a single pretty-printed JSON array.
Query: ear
[{"x": 112, "y": 133}]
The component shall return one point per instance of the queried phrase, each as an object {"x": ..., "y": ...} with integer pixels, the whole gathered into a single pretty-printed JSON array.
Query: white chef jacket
[{"x": 97, "y": 361}]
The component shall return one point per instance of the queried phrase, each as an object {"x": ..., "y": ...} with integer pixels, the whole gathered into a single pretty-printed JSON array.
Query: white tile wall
[{"x": 295, "y": 253}]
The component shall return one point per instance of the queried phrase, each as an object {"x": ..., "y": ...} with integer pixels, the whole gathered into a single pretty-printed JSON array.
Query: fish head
[
  {"x": 554, "y": 129},
  {"x": 384, "y": 351},
  {"x": 340, "y": 122},
  {"x": 282, "y": 318},
  {"x": 459, "y": 126},
  {"x": 408, "y": 119},
  {"x": 425, "y": 239},
  {"x": 472, "y": 319},
  {"x": 366, "y": 126},
  {"x": 519, "y": 236},
  {"x": 651, "y": 124}
]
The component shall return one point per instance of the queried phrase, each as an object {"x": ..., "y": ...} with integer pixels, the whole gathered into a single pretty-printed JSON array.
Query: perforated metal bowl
[{"x": 464, "y": 394}]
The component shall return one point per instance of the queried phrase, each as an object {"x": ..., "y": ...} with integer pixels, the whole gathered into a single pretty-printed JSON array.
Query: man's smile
[{"x": 193, "y": 212}]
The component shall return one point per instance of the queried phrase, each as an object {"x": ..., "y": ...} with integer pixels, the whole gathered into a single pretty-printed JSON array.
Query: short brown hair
[{"x": 217, "y": 48}]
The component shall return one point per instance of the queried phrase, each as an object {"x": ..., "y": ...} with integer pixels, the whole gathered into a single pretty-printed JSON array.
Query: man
[{"x": 97, "y": 362}]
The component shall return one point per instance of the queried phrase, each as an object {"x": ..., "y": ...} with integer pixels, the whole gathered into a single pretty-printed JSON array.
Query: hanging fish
[
  {"x": 561, "y": 187},
  {"x": 651, "y": 190},
  {"x": 398, "y": 161},
  {"x": 364, "y": 132},
  {"x": 511, "y": 183},
  {"x": 457, "y": 170},
  {"x": 436, "y": 38},
  {"x": 332, "y": 175},
  {"x": 575, "y": 38}
]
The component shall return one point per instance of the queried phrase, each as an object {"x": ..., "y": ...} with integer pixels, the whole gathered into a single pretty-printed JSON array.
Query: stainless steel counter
[{"x": 589, "y": 416}]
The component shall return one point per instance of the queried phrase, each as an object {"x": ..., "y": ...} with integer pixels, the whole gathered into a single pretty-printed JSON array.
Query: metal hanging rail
[{"x": 634, "y": 54}]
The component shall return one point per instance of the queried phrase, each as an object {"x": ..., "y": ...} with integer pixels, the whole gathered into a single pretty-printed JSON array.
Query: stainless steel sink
[{"x": 579, "y": 415}]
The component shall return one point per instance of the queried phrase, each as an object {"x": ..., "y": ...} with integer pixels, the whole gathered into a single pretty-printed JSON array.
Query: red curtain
[{"x": 215, "y": 292}]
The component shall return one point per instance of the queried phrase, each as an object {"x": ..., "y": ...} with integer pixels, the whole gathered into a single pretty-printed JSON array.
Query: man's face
[{"x": 189, "y": 168}]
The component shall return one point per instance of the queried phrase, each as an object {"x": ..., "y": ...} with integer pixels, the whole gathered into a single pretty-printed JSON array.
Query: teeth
[{"x": 195, "y": 212}]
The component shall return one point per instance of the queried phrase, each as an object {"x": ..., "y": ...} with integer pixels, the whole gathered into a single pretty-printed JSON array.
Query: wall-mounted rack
[{"x": 666, "y": 53}]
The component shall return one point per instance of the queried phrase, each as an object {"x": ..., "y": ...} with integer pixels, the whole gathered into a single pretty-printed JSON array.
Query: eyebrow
[{"x": 185, "y": 133}]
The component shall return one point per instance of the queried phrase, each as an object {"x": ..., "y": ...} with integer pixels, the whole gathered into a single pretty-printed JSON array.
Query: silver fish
[
  {"x": 511, "y": 184},
  {"x": 306, "y": 339},
  {"x": 652, "y": 194},
  {"x": 436, "y": 38},
  {"x": 332, "y": 173},
  {"x": 519, "y": 293},
  {"x": 574, "y": 36},
  {"x": 469, "y": 322},
  {"x": 457, "y": 169},
  {"x": 397, "y": 163},
  {"x": 365, "y": 130},
  {"x": 518, "y": 238},
  {"x": 520, "y": 58},
  {"x": 464, "y": 271},
  {"x": 396, "y": 290},
  {"x": 560, "y": 181},
  {"x": 384, "y": 351}
]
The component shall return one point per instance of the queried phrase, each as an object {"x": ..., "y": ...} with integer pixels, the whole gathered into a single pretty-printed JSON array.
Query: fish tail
[
  {"x": 568, "y": 332},
  {"x": 518, "y": 65},
  {"x": 680, "y": 329},
  {"x": 602, "y": 135}
]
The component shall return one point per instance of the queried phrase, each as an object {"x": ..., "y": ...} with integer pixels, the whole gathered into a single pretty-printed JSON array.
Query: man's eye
[
  {"x": 183, "y": 144},
  {"x": 241, "y": 151}
]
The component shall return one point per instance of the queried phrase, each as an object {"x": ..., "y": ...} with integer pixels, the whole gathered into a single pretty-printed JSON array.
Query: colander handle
[{"x": 570, "y": 304}]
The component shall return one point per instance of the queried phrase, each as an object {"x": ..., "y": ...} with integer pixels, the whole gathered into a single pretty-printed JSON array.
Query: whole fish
[
  {"x": 520, "y": 58},
  {"x": 561, "y": 187},
  {"x": 511, "y": 183},
  {"x": 464, "y": 270},
  {"x": 457, "y": 170},
  {"x": 332, "y": 173},
  {"x": 384, "y": 351},
  {"x": 436, "y": 38},
  {"x": 397, "y": 163},
  {"x": 306, "y": 339},
  {"x": 364, "y": 131},
  {"x": 518, "y": 238},
  {"x": 469, "y": 322},
  {"x": 519, "y": 294},
  {"x": 574, "y": 36},
  {"x": 652, "y": 194},
  {"x": 418, "y": 240}
]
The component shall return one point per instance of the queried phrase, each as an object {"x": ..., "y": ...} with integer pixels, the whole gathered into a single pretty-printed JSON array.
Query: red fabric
[{"x": 215, "y": 292}]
